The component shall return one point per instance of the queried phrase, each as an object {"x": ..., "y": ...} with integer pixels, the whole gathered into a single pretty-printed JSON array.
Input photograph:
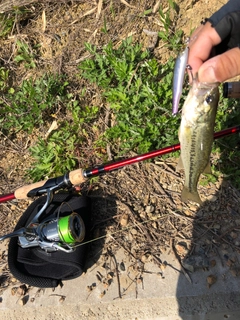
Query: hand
[{"x": 218, "y": 68}]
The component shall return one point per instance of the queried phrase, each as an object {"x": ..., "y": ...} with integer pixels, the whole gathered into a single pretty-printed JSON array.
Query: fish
[
  {"x": 196, "y": 134},
  {"x": 178, "y": 78}
]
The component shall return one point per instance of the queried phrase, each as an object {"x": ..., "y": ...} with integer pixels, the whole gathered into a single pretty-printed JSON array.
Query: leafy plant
[
  {"x": 172, "y": 37},
  {"x": 6, "y": 24},
  {"x": 4, "y": 79},
  {"x": 25, "y": 54},
  {"x": 138, "y": 90},
  {"x": 27, "y": 106},
  {"x": 56, "y": 154},
  {"x": 10, "y": 18}
]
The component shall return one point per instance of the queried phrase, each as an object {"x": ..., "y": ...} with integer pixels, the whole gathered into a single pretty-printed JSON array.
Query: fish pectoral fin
[
  {"x": 208, "y": 169},
  {"x": 192, "y": 196},
  {"x": 179, "y": 165}
]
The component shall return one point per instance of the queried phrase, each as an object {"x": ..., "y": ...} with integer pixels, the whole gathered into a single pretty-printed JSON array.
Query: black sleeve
[{"x": 226, "y": 22}]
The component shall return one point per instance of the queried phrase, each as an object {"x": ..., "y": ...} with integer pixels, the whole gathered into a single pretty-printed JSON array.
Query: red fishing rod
[{"x": 79, "y": 176}]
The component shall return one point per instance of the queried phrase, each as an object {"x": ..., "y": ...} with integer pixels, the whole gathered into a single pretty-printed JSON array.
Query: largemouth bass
[{"x": 196, "y": 135}]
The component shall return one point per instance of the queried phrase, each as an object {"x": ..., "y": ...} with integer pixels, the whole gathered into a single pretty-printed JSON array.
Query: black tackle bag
[{"x": 34, "y": 266}]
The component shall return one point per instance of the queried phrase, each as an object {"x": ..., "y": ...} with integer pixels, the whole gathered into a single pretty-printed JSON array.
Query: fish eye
[{"x": 209, "y": 99}]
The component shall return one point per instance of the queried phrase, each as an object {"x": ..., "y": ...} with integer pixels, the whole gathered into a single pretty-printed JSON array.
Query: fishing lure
[{"x": 178, "y": 78}]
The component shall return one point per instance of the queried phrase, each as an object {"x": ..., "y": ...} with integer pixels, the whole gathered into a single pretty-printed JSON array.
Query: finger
[
  {"x": 195, "y": 32},
  {"x": 201, "y": 43},
  {"x": 221, "y": 67}
]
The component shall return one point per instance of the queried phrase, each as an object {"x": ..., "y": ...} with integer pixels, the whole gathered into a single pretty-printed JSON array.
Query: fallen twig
[{"x": 117, "y": 273}]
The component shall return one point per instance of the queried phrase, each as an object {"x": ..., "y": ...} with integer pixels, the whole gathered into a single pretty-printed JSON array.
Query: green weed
[
  {"x": 139, "y": 92},
  {"x": 171, "y": 36},
  {"x": 26, "y": 55},
  {"x": 6, "y": 24},
  {"x": 4, "y": 79},
  {"x": 56, "y": 154},
  {"x": 207, "y": 178},
  {"x": 9, "y": 20},
  {"x": 28, "y": 106}
]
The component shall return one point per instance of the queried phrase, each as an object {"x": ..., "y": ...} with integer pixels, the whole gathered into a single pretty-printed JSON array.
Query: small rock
[
  {"x": 237, "y": 243},
  {"x": 233, "y": 235},
  {"x": 124, "y": 220},
  {"x": 143, "y": 215},
  {"x": 146, "y": 258},
  {"x": 62, "y": 299},
  {"x": 212, "y": 198},
  {"x": 149, "y": 209},
  {"x": 13, "y": 291},
  {"x": 212, "y": 263},
  {"x": 153, "y": 200},
  {"x": 155, "y": 225},
  {"x": 193, "y": 207},
  {"x": 146, "y": 199},
  {"x": 140, "y": 280},
  {"x": 21, "y": 291},
  {"x": 122, "y": 266},
  {"x": 102, "y": 294},
  {"x": 229, "y": 262},
  {"x": 134, "y": 231},
  {"x": 23, "y": 300},
  {"x": 194, "y": 262},
  {"x": 181, "y": 248},
  {"x": 110, "y": 275},
  {"x": 13, "y": 207},
  {"x": 188, "y": 213},
  {"x": 235, "y": 271},
  {"x": 163, "y": 266},
  {"x": 211, "y": 280},
  {"x": 89, "y": 288}
]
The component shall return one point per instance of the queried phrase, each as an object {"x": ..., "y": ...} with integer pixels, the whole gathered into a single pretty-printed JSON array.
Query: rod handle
[{"x": 76, "y": 177}]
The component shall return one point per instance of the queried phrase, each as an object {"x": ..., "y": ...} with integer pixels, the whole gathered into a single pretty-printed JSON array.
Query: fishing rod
[
  {"x": 60, "y": 233},
  {"x": 80, "y": 176}
]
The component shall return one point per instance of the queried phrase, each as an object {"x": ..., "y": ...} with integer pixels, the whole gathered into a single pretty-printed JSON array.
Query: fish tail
[{"x": 192, "y": 196}]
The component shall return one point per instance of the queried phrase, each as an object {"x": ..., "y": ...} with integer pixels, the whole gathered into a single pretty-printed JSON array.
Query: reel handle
[{"x": 76, "y": 177}]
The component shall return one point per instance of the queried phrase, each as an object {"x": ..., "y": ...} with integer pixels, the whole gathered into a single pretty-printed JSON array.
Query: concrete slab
[{"x": 151, "y": 294}]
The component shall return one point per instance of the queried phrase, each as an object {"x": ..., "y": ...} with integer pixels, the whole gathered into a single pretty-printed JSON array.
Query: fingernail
[{"x": 207, "y": 74}]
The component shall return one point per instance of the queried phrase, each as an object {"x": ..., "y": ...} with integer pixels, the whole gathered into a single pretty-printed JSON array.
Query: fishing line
[{"x": 122, "y": 230}]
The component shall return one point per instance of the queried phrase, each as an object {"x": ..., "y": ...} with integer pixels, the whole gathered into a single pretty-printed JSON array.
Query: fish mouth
[
  {"x": 201, "y": 88},
  {"x": 204, "y": 85}
]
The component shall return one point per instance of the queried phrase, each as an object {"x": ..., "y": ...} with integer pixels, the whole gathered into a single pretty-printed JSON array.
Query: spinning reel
[{"x": 60, "y": 233}]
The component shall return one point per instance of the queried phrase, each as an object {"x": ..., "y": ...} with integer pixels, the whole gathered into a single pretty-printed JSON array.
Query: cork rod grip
[{"x": 76, "y": 177}]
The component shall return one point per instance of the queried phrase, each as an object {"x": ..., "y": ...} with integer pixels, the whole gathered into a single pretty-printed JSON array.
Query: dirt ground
[{"x": 137, "y": 208}]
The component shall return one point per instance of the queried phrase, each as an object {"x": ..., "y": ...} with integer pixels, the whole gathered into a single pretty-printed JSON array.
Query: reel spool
[
  {"x": 69, "y": 229},
  {"x": 54, "y": 234}
]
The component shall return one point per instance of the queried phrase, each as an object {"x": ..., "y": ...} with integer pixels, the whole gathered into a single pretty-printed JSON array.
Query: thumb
[{"x": 221, "y": 68}]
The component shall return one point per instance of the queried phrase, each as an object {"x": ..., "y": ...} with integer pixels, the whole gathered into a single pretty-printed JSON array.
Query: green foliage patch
[
  {"x": 27, "y": 106},
  {"x": 138, "y": 91},
  {"x": 135, "y": 90}
]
